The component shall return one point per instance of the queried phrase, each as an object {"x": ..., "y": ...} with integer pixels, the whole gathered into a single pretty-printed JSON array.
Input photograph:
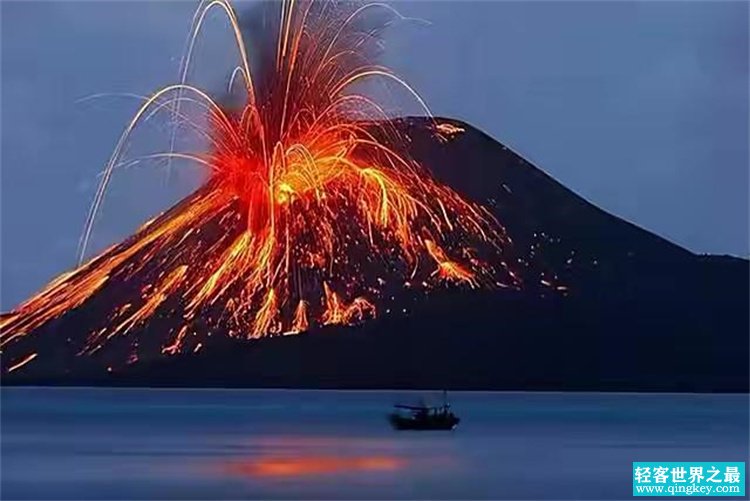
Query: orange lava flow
[{"x": 310, "y": 206}]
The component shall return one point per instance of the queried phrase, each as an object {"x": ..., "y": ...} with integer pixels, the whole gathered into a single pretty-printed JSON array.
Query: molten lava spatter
[{"x": 312, "y": 214}]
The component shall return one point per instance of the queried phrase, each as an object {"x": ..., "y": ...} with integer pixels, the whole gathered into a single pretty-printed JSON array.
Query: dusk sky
[{"x": 640, "y": 107}]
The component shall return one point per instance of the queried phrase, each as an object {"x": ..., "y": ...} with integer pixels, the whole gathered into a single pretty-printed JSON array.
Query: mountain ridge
[{"x": 634, "y": 311}]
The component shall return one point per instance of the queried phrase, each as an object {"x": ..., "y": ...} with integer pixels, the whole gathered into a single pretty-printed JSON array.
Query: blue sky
[{"x": 641, "y": 107}]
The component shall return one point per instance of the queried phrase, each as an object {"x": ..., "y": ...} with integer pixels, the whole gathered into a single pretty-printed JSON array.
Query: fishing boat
[{"x": 424, "y": 417}]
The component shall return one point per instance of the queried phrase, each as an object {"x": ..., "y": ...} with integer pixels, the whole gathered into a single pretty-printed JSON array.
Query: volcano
[{"x": 595, "y": 303}]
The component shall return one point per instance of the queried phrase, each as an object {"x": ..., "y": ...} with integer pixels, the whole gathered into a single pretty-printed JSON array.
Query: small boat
[{"x": 423, "y": 417}]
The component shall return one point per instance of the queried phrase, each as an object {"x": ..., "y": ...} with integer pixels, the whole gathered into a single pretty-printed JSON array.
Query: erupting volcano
[
  {"x": 312, "y": 213},
  {"x": 385, "y": 239}
]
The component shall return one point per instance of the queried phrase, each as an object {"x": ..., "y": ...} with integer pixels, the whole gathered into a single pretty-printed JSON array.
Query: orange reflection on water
[{"x": 313, "y": 465}]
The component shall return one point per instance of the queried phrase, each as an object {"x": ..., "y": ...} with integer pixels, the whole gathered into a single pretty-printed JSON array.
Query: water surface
[{"x": 230, "y": 444}]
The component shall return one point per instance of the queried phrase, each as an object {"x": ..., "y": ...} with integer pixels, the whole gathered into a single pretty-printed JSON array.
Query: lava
[
  {"x": 28, "y": 358},
  {"x": 312, "y": 213}
]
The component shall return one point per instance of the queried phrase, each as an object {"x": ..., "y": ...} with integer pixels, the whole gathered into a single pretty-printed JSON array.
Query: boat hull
[{"x": 408, "y": 423}]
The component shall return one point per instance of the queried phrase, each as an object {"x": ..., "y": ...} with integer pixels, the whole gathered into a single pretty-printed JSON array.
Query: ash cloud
[{"x": 260, "y": 25}]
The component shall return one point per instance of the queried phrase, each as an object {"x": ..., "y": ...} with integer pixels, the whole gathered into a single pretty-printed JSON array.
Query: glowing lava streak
[{"x": 310, "y": 206}]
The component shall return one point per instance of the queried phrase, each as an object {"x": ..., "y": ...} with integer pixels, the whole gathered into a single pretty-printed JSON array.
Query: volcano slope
[{"x": 604, "y": 306}]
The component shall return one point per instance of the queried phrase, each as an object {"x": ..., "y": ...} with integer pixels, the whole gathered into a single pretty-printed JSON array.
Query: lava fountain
[{"x": 312, "y": 213}]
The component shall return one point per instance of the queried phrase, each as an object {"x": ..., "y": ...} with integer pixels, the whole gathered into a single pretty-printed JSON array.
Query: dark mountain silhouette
[{"x": 636, "y": 313}]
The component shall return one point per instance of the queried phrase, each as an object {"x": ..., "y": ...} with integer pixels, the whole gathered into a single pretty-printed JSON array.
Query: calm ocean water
[{"x": 217, "y": 444}]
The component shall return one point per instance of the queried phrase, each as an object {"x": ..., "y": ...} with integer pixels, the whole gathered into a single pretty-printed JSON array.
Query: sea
[{"x": 96, "y": 443}]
